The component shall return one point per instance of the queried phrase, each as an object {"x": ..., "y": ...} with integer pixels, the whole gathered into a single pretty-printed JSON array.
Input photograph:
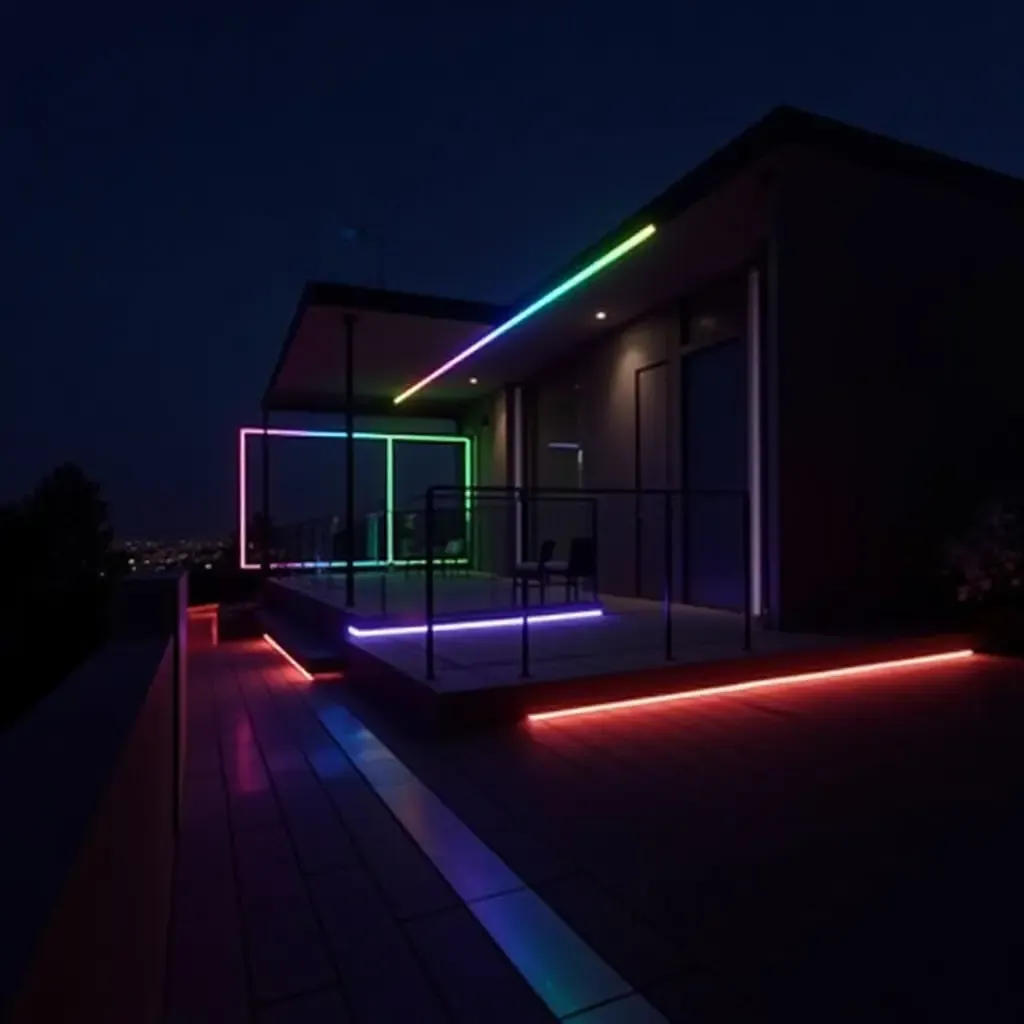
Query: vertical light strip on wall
[
  {"x": 389, "y": 500},
  {"x": 467, "y": 480},
  {"x": 242, "y": 512},
  {"x": 616, "y": 253},
  {"x": 754, "y": 458}
]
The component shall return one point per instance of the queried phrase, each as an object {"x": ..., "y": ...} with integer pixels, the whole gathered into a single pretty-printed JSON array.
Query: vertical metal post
[
  {"x": 428, "y": 540},
  {"x": 638, "y": 526},
  {"x": 522, "y": 503},
  {"x": 747, "y": 575},
  {"x": 350, "y": 463},
  {"x": 754, "y": 442},
  {"x": 265, "y": 452},
  {"x": 524, "y": 648},
  {"x": 668, "y": 575},
  {"x": 514, "y": 418},
  {"x": 594, "y": 546}
]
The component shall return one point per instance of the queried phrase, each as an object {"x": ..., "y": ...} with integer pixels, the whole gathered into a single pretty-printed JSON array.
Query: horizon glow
[
  {"x": 616, "y": 253},
  {"x": 466, "y": 626},
  {"x": 389, "y": 498},
  {"x": 755, "y": 684}
]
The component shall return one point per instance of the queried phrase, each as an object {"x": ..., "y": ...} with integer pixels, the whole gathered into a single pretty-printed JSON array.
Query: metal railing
[{"x": 521, "y": 505}]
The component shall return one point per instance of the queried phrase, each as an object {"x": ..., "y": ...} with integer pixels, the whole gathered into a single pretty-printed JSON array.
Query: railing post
[
  {"x": 350, "y": 463},
  {"x": 524, "y": 649},
  {"x": 266, "y": 555},
  {"x": 668, "y": 575},
  {"x": 748, "y": 639},
  {"x": 428, "y": 540}
]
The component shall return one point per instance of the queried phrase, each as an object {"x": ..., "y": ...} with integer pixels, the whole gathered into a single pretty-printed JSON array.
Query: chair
[
  {"x": 448, "y": 557},
  {"x": 537, "y": 572},
  {"x": 582, "y": 565}
]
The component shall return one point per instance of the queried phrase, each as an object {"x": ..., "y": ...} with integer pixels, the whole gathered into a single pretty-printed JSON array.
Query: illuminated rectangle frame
[{"x": 389, "y": 441}]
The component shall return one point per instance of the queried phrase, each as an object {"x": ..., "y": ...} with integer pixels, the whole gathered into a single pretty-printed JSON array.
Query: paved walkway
[{"x": 839, "y": 851}]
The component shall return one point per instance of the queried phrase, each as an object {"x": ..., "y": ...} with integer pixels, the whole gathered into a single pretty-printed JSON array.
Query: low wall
[
  {"x": 90, "y": 786},
  {"x": 325, "y": 621}
]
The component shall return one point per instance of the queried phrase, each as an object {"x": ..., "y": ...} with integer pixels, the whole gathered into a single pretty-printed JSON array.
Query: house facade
[{"x": 789, "y": 378}]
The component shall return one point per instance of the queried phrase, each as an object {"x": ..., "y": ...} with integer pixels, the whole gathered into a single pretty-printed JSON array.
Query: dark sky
[{"x": 169, "y": 177}]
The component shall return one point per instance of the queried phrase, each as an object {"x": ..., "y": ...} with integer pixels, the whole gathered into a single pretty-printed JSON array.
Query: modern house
[{"x": 813, "y": 339}]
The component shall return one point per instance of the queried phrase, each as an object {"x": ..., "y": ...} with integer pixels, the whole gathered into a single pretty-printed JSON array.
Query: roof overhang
[
  {"x": 396, "y": 337},
  {"x": 427, "y": 356},
  {"x": 715, "y": 235}
]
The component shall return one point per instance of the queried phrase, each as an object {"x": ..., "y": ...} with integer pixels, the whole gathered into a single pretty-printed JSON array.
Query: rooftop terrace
[{"x": 840, "y": 849}]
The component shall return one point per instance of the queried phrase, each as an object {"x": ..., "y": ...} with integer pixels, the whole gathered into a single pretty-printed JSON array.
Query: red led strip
[
  {"x": 284, "y": 654},
  {"x": 756, "y": 684}
]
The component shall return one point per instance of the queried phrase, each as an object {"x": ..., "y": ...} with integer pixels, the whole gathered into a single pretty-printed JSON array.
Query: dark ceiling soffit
[
  {"x": 366, "y": 405},
  {"x": 788, "y": 126},
  {"x": 358, "y": 300},
  {"x": 378, "y": 300}
]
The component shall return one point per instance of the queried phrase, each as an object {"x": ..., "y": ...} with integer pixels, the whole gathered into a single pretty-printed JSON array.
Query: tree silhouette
[
  {"x": 56, "y": 545},
  {"x": 68, "y": 531}
]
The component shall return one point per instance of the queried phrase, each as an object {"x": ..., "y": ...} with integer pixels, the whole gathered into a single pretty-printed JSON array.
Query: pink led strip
[
  {"x": 271, "y": 642},
  {"x": 756, "y": 684}
]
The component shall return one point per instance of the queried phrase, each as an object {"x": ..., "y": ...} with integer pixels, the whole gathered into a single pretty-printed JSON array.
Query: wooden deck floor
[{"x": 840, "y": 851}]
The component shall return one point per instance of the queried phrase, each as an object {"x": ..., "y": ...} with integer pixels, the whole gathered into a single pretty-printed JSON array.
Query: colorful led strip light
[
  {"x": 271, "y": 642},
  {"x": 467, "y": 625},
  {"x": 389, "y": 440},
  {"x": 756, "y": 684},
  {"x": 577, "y": 279}
]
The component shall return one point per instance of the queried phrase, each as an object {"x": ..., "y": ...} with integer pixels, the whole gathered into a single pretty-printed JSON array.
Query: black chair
[
  {"x": 452, "y": 556},
  {"x": 582, "y": 565},
  {"x": 537, "y": 572}
]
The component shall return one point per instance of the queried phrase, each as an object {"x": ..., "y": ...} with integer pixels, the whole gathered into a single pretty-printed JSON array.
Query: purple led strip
[{"x": 466, "y": 626}]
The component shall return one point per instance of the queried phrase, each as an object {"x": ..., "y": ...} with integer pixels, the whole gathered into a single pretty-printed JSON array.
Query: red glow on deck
[
  {"x": 755, "y": 684},
  {"x": 209, "y": 613},
  {"x": 308, "y": 676}
]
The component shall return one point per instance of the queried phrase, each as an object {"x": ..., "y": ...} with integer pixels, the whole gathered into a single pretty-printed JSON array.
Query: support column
[
  {"x": 519, "y": 468},
  {"x": 350, "y": 463},
  {"x": 265, "y": 455},
  {"x": 755, "y": 457}
]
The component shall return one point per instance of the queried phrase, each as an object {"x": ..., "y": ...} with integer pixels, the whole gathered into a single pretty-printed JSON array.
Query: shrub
[{"x": 987, "y": 565}]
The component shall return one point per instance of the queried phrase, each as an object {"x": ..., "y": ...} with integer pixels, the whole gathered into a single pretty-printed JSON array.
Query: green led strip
[{"x": 577, "y": 279}]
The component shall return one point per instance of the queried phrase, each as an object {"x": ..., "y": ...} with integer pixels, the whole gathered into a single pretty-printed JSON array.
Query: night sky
[{"x": 169, "y": 178}]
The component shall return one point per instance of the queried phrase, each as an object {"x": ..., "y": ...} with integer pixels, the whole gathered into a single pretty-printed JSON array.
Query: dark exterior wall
[
  {"x": 589, "y": 398},
  {"x": 487, "y": 424},
  {"x": 898, "y": 382},
  {"x": 717, "y": 452}
]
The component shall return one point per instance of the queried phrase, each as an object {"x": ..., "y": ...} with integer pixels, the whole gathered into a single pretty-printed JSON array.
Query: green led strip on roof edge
[{"x": 620, "y": 250}]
